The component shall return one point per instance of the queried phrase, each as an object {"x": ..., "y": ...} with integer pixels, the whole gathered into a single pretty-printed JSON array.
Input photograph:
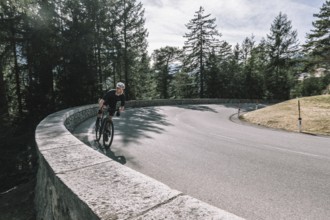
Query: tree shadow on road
[
  {"x": 197, "y": 108},
  {"x": 135, "y": 124},
  {"x": 241, "y": 106},
  {"x": 245, "y": 107}
]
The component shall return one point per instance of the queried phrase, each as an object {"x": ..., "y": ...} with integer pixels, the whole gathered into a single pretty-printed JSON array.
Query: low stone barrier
[{"x": 76, "y": 182}]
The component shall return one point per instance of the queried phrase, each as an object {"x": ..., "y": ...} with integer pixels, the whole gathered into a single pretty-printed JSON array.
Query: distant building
[
  {"x": 319, "y": 72},
  {"x": 303, "y": 76}
]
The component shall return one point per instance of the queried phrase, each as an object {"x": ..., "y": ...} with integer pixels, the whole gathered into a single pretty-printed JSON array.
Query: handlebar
[{"x": 106, "y": 108}]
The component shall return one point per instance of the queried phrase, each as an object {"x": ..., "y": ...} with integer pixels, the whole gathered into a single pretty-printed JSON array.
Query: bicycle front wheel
[
  {"x": 98, "y": 130},
  {"x": 108, "y": 130}
]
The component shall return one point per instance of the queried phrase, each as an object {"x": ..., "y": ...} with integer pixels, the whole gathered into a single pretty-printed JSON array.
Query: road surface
[{"x": 253, "y": 172}]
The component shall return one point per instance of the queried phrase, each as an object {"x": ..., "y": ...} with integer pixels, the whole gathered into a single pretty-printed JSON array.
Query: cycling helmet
[{"x": 120, "y": 85}]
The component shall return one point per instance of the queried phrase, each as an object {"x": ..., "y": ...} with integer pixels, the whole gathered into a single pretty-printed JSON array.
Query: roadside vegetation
[{"x": 314, "y": 112}]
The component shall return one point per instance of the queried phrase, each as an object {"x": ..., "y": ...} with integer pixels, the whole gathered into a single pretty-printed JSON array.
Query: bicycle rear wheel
[{"x": 108, "y": 130}]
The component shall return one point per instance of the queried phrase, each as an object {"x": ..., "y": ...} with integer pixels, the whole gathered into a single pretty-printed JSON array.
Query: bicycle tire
[
  {"x": 108, "y": 131},
  {"x": 98, "y": 130}
]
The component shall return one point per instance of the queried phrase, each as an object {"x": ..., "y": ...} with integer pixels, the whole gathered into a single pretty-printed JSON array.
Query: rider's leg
[
  {"x": 111, "y": 113},
  {"x": 99, "y": 115},
  {"x": 108, "y": 124}
]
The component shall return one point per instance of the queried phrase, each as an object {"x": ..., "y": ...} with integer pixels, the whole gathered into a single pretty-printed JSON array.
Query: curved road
[{"x": 253, "y": 172}]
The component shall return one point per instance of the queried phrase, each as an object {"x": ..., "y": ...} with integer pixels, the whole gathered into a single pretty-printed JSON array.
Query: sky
[{"x": 235, "y": 19}]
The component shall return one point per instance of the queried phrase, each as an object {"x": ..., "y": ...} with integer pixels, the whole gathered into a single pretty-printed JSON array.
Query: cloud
[{"x": 236, "y": 19}]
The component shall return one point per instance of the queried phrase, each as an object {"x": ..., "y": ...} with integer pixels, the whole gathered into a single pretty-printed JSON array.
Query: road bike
[{"x": 104, "y": 128}]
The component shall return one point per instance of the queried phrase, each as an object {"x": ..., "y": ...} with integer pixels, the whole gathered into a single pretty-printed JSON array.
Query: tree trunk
[
  {"x": 126, "y": 61},
  {"x": 3, "y": 96},
  {"x": 201, "y": 72},
  {"x": 17, "y": 79},
  {"x": 98, "y": 58}
]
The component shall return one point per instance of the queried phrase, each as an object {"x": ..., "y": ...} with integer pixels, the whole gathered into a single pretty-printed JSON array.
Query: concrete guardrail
[{"x": 76, "y": 182}]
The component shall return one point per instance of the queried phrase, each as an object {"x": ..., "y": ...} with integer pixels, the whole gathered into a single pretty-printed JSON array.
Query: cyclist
[{"x": 111, "y": 98}]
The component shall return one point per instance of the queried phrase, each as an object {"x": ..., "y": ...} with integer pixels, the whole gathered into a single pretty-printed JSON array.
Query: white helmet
[{"x": 120, "y": 85}]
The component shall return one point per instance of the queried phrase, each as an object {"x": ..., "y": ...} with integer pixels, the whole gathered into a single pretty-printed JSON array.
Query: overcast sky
[{"x": 235, "y": 19}]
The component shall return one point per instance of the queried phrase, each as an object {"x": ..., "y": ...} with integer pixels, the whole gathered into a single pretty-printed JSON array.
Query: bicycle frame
[{"x": 106, "y": 128}]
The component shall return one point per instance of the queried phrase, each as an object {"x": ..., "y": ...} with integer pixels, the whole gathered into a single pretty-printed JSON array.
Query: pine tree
[
  {"x": 236, "y": 69},
  {"x": 318, "y": 42},
  {"x": 143, "y": 79},
  {"x": 3, "y": 92},
  {"x": 4, "y": 54},
  {"x": 226, "y": 73},
  {"x": 218, "y": 73},
  {"x": 133, "y": 40},
  {"x": 213, "y": 79},
  {"x": 108, "y": 47},
  {"x": 163, "y": 62},
  {"x": 42, "y": 54},
  {"x": 282, "y": 47},
  {"x": 13, "y": 16},
  {"x": 253, "y": 77},
  {"x": 77, "y": 75},
  {"x": 183, "y": 86},
  {"x": 201, "y": 41}
]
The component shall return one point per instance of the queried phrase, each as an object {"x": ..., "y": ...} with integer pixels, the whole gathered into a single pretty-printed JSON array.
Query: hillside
[{"x": 315, "y": 114}]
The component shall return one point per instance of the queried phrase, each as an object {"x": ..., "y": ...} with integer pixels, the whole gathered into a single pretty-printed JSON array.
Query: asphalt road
[{"x": 253, "y": 172}]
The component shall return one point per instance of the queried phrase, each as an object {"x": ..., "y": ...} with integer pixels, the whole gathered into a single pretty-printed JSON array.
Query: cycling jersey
[{"x": 111, "y": 99}]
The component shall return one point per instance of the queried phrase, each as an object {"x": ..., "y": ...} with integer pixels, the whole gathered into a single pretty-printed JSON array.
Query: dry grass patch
[{"x": 315, "y": 114}]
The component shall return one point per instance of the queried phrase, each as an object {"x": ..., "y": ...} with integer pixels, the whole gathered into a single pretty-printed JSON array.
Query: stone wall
[{"x": 76, "y": 182}]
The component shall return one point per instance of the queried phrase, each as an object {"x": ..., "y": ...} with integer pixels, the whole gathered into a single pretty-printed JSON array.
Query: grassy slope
[{"x": 315, "y": 114}]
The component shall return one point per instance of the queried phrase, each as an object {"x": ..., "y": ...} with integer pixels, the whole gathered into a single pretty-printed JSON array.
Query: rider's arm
[{"x": 101, "y": 103}]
